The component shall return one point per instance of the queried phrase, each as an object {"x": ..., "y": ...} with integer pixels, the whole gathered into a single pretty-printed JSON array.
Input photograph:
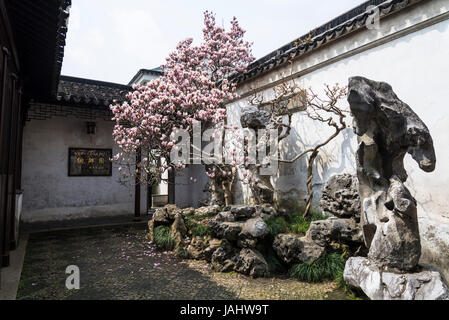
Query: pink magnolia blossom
[{"x": 195, "y": 85}]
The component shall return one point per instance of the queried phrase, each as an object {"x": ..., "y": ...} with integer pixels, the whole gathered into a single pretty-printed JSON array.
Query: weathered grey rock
[
  {"x": 254, "y": 118},
  {"x": 424, "y": 285},
  {"x": 265, "y": 211},
  {"x": 434, "y": 233},
  {"x": 214, "y": 244},
  {"x": 223, "y": 258},
  {"x": 225, "y": 216},
  {"x": 255, "y": 228},
  {"x": 251, "y": 262},
  {"x": 172, "y": 210},
  {"x": 188, "y": 211},
  {"x": 208, "y": 210},
  {"x": 178, "y": 230},
  {"x": 388, "y": 129},
  {"x": 160, "y": 216},
  {"x": 346, "y": 231},
  {"x": 246, "y": 242},
  {"x": 292, "y": 248},
  {"x": 151, "y": 230},
  {"x": 252, "y": 231},
  {"x": 241, "y": 212},
  {"x": 261, "y": 187},
  {"x": 340, "y": 196},
  {"x": 197, "y": 248},
  {"x": 226, "y": 230}
]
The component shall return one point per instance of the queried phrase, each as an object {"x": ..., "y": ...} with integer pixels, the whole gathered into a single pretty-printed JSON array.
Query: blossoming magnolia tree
[{"x": 193, "y": 88}]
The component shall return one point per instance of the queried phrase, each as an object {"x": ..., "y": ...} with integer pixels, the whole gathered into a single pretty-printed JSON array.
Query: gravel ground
[{"x": 120, "y": 263}]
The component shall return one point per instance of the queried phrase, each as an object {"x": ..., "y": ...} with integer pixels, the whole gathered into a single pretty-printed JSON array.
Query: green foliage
[
  {"x": 277, "y": 225},
  {"x": 197, "y": 229},
  {"x": 201, "y": 230},
  {"x": 298, "y": 224},
  {"x": 163, "y": 239},
  {"x": 189, "y": 221},
  {"x": 326, "y": 267},
  {"x": 182, "y": 253},
  {"x": 293, "y": 222},
  {"x": 340, "y": 281}
]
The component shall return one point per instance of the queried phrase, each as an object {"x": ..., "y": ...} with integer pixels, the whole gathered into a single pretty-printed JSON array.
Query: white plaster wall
[
  {"x": 417, "y": 67},
  {"x": 49, "y": 193},
  {"x": 190, "y": 184}
]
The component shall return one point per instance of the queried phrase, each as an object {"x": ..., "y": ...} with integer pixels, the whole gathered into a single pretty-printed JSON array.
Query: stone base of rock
[{"x": 427, "y": 284}]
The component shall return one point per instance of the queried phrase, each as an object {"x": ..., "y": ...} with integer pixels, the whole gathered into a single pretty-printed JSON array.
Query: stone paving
[{"x": 120, "y": 263}]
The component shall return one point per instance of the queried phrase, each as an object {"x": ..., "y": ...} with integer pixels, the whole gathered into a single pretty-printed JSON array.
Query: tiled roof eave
[{"x": 281, "y": 57}]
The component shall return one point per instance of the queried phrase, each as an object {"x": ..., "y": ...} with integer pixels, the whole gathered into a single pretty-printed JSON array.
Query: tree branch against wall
[{"x": 289, "y": 98}]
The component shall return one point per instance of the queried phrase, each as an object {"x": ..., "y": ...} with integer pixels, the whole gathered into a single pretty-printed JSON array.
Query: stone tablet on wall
[{"x": 90, "y": 162}]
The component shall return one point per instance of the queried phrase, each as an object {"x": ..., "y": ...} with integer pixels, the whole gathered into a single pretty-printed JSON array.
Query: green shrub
[
  {"x": 201, "y": 230},
  {"x": 277, "y": 225},
  {"x": 325, "y": 267},
  {"x": 163, "y": 239}
]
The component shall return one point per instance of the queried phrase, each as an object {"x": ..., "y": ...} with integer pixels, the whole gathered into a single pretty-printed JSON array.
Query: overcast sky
[{"x": 111, "y": 40}]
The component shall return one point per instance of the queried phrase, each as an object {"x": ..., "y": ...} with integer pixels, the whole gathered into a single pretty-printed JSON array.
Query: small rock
[
  {"x": 172, "y": 210},
  {"x": 346, "y": 231},
  {"x": 241, "y": 212},
  {"x": 340, "y": 196},
  {"x": 255, "y": 228},
  {"x": 208, "y": 210},
  {"x": 226, "y": 230},
  {"x": 188, "y": 211},
  {"x": 225, "y": 216},
  {"x": 292, "y": 248},
  {"x": 255, "y": 118},
  {"x": 197, "y": 248},
  {"x": 223, "y": 256},
  {"x": 214, "y": 244},
  {"x": 251, "y": 262},
  {"x": 160, "y": 216}
]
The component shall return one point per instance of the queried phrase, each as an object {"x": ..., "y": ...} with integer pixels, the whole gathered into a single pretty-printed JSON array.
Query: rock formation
[
  {"x": 237, "y": 234},
  {"x": 260, "y": 185},
  {"x": 387, "y": 129},
  {"x": 340, "y": 196}
]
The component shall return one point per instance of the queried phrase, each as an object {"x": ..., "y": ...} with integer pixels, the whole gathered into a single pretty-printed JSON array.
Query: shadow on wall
[{"x": 335, "y": 158}]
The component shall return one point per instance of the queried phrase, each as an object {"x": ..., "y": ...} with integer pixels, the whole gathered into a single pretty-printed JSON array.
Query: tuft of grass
[
  {"x": 277, "y": 225},
  {"x": 201, "y": 230},
  {"x": 340, "y": 281},
  {"x": 299, "y": 225},
  {"x": 325, "y": 267},
  {"x": 163, "y": 239},
  {"x": 293, "y": 222},
  {"x": 182, "y": 253},
  {"x": 197, "y": 229}
]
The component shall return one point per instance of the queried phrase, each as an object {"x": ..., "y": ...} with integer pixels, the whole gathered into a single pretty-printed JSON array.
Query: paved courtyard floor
[{"x": 120, "y": 263}]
